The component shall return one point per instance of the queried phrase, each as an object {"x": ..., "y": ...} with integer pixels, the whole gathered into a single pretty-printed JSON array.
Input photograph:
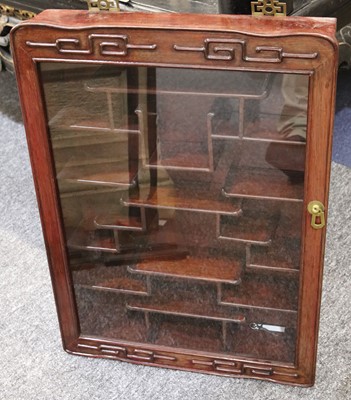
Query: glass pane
[{"x": 181, "y": 194}]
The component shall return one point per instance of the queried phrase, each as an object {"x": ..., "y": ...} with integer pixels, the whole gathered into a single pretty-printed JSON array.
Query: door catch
[{"x": 316, "y": 209}]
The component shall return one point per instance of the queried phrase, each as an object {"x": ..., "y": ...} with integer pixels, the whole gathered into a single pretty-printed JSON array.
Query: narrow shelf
[
  {"x": 247, "y": 342},
  {"x": 185, "y": 162},
  {"x": 265, "y": 129},
  {"x": 202, "y": 83},
  {"x": 185, "y": 308},
  {"x": 80, "y": 130},
  {"x": 180, "y": 92},
  {"x": 103, "y": 313},
  {"x": 78, "y": 138},
  {"x": 283, "y": 256},
  {"x": 137, "y": 254},
  {"x": 267, "y": 316},
  {"x": 253, "y": 229},
  {"x": 264, "y": 184},
  {"x": 262, "y": 292},
  {"x": 187, "y": 199},
  {"x": 253, "y": 134},
  {"x": 128, "y": 252},
  {"x": 75, "y": 122},
  {"x": 129, "y": 246},
  {"x": 109, "y": 174},
  {"x": 187, "y": 333},
  {"x": 110, "y": 220},
  {"x": 96, "y": 240},
  {"x": 114, "y": 279},
  {"x": 197, "y": 268}
]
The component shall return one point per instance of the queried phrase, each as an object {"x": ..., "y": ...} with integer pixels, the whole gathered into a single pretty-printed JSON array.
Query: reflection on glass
[{"x": 181, "y": 193}]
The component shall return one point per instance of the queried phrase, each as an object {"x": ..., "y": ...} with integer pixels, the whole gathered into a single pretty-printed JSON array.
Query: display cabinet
[{"x": 182, "y": 170}]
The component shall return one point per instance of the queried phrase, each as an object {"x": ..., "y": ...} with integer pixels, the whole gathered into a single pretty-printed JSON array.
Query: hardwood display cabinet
[{"x": 182, "y": 165}]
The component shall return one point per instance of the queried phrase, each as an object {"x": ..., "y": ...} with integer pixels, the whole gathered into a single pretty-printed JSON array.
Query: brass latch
[
  {"x": 274, "y": 8},
  {"x": 103, "y": 5},
  {"x": 316, "y": 209}
]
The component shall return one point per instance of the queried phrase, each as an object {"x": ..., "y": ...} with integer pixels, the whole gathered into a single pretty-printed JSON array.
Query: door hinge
[{"x": 103, "y": 5}]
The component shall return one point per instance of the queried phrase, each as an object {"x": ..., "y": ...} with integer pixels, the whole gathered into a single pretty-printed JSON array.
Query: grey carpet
[
  {"x": 342, "y": 131},
  {"x": 32, "y": 362}
]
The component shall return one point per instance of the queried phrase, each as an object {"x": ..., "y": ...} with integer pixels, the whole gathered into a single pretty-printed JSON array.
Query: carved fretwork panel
[
  {"x": 231, "y": 49},
  {"x": 100, "y": 45},
  {"x": 223, "y": 366},
  {"x": 215, "y": 50},
  {"x": 181, "y": 167}
]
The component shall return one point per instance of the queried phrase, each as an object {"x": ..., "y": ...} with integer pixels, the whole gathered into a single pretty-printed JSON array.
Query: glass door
[{"x": 181, "y": 192}]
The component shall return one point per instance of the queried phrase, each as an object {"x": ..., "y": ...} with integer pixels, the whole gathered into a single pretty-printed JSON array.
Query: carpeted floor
[
  {"x": 342, "y": 130},
  {"x": 32, "y": 362}
]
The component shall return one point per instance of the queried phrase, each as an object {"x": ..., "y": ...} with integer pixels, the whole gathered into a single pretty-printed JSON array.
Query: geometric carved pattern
[
  {"x": 130, "y": 354},
  {"x": 216, "y": 365},
  {"x": 241, "y": 368},
  {"x": 268, "y": 7},
  {"x": 213, "y": 49},
  {"x": 226, "y": 49},
  {"x": 107, "y": 45}
]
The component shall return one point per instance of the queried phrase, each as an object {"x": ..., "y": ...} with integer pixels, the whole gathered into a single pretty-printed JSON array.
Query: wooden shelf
[
  {"x": 263, "y": 345},
  {"x": 97, "y": 240},
  {"x": 198, "y": 83},
  {"x": 114, "y": 279},
  {"x": 186, "y": 199},
  {"x": 181, "y": 307},
  {"x": 253, "y": 229},
  {"x": 109, "y": 174},
  {"x": 185, "y": 162},
  {"x": 197, "y": 268},
  {"x": 129, "y": 252},
  {"x": 265, "y": 129},
  {"x": 112, "y": 220},
  {"x": 135, "y": 255},
  {"x": 74, "y": 138},
  {"x": 187, "y": 333},
  {"x": 181, "y": 92},
  {"x": 282, "y": 257},
  {"x": 267, "y": 316},
  {"x": 263, "y": 184},
  {"x": 129, "y": 245},
  {"x": 80, "y": 130},
  {"x": 75, "y": 122},
  {"x": 253, "y": 133},
  {"x": 103, "y": 313},
  {"x": 262, "y": 292}
]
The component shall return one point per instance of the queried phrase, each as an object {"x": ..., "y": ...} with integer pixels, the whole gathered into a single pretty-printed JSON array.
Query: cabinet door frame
[{"x": 239, "y": 43}]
